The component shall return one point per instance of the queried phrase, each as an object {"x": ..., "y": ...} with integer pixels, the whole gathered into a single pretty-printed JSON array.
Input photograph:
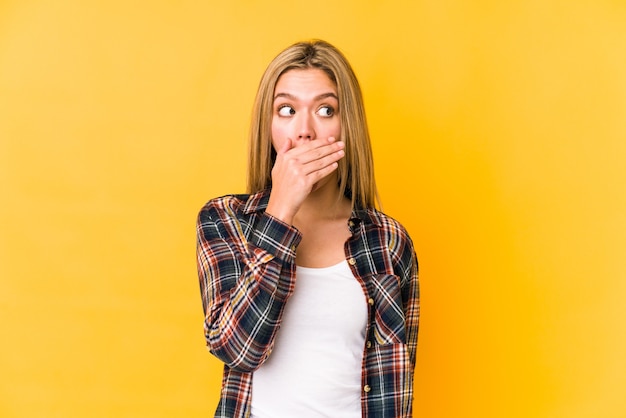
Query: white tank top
[{"x": 315, "y": 367}]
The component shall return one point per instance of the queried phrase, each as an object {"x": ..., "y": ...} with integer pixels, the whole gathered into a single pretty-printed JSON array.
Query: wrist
[{"x": 280, "y": 212}]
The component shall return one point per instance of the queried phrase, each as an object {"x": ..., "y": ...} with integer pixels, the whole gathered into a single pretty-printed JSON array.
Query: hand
[{"x": 297, "y": 170}]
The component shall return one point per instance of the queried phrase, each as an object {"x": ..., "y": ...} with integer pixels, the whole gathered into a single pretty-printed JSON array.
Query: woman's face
[{"x": 306, "y": 108}]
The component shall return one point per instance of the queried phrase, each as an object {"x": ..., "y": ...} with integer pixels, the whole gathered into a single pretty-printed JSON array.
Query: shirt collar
[
  {"x": 368, "y": 215},
  {"x": 257, "y": 202}
]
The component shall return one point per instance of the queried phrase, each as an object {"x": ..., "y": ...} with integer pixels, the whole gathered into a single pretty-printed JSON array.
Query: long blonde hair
[{"x": 356, "y": 169}]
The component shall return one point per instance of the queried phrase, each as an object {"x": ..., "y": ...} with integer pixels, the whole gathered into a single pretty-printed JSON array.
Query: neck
[{"x": 325, "y": 202}]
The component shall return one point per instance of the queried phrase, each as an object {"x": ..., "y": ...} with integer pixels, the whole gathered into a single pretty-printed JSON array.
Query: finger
[
  {"x": 306, "y": 153},
  {"x": 323, "y": 162},
  {"x": 287, "y": 145},
  {"x": 323, "y": 172},
  {"x": 325, "y": 151},
  {"x": 316, "y": 144}
]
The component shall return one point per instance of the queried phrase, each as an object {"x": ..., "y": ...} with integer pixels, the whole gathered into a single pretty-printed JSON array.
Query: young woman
[{"x": 310, "y": 293}]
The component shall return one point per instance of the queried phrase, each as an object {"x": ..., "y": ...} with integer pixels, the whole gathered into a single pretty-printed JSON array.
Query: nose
[{"x": 305, "y": 128}]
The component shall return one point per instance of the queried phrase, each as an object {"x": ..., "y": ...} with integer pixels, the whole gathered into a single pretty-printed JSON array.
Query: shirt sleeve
[
  {"x": 411, "y": 302},
  {"x": 245, "y": 283},
  {"x": 408, "y": 269}
]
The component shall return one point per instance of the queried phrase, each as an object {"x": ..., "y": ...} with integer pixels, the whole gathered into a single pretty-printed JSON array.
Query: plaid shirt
[{"x": 246, "y": 266}]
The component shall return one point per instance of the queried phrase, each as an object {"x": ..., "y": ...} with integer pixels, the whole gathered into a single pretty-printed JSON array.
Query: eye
[
  {"x": 326, "y": 111},
  {"x": 286, "y": 110}
]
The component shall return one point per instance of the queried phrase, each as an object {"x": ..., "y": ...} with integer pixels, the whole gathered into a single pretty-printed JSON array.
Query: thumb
[{"x": 286, "y": 146}]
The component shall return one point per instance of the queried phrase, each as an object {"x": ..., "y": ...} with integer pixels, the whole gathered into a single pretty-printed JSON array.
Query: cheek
[
  {"x": 332, "y": 129},
  {"x": 276, "y": 143},
  {"x": 278, "y": 136}
]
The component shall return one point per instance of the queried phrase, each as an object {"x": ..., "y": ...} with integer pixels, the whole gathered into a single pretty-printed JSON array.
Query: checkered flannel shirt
[{"x": 246, "y": 267}]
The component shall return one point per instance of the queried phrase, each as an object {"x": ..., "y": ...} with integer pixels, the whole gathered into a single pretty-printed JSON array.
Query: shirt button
[
  {"x": 366, "y": 388},
  {"x": 368, "y": 344},
  {"x": 352, "y": 261},
  {"x": 293, "y": 248},
  {"x": 370, "y": 301}
]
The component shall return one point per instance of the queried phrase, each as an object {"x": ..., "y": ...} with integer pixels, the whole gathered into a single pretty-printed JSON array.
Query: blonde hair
[{"x": 356, "y": 169}]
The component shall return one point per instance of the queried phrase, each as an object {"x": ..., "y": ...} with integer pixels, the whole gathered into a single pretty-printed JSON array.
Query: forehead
[{"x": 311, "y": 80}]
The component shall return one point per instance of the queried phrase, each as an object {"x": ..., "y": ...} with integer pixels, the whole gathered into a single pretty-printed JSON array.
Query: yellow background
[{"x": 499, "y": 132}]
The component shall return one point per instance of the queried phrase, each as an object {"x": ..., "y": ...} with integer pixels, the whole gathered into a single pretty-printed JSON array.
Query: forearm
[{"x": 245, "y": 288}]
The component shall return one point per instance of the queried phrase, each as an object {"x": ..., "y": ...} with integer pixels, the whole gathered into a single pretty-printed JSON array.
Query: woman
[{"x": 310, "y": 294}]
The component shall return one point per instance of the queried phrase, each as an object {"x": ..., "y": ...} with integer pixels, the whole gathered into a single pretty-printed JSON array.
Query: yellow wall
[{"x": 500, "y": 139}]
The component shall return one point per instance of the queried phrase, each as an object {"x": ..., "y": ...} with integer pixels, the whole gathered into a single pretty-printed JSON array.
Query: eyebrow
[{"x": 316, "y": 98}]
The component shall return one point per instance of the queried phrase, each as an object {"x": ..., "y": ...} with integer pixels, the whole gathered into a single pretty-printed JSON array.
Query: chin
[{"x": 322, "y": 183}]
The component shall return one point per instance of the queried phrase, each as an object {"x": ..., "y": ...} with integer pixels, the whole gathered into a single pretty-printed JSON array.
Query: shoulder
[
  {"x": 401, "y": 248},
  {"x": 388, "y": 226},
  {"x": 233, "y": 205},
  {"x": 393, "y": 235},
  {"x": 222, "y": 203}
]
